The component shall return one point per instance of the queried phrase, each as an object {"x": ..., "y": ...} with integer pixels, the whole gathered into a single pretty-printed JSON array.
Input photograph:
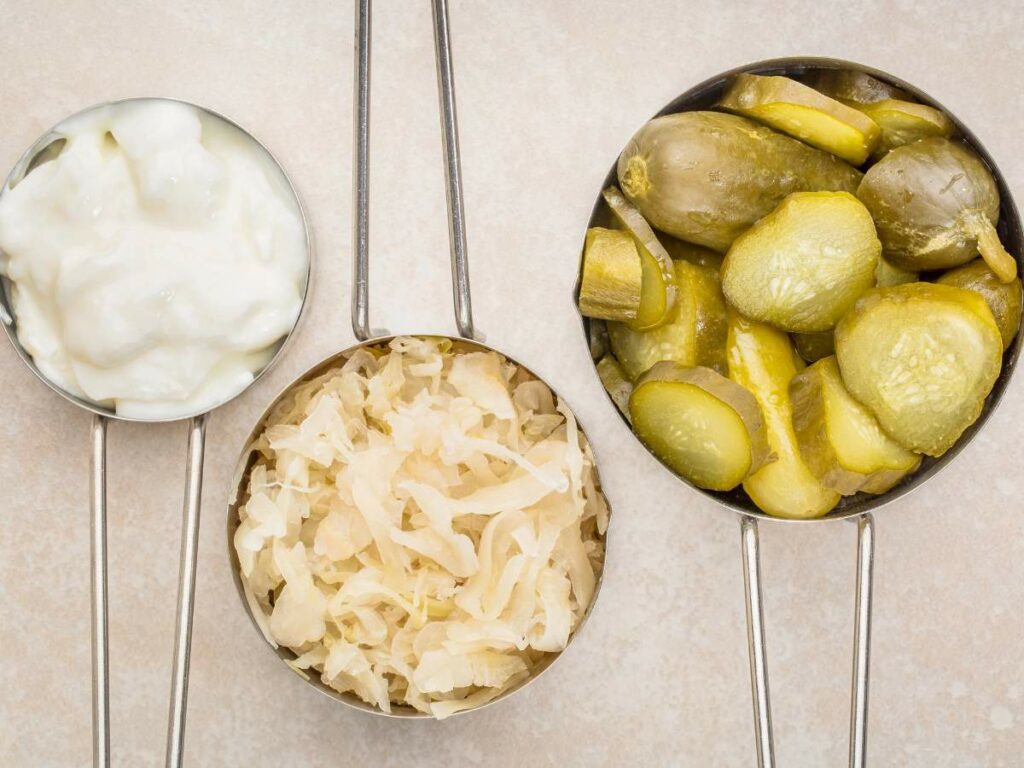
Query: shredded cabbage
[{"x": 422, "y": 526}]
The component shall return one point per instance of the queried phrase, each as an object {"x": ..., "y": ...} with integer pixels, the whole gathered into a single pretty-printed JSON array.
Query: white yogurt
[{"x": 157, "y": 263}]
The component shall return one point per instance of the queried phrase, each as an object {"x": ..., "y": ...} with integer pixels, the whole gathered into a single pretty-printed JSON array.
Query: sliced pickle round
[
  {"x": 762, "y": 360},
  {"x": 814, "y": 346},
  {"x": 1004, "y": 299},
  {"x": 705, "y": 177},
  {"x": 658, "y": 290},
  {"x": 840, "y": 440},
  {"x": 922, "y": 357},
  {"x": 706, "y": 428},
  {"x": 935, "y": 206},
  {"x": 610, "y": 287},
  {"x": 803, "y": 265},
  {"x": 887, "y": 273},
  {"x": 616, "y": 382},
  {"x": 849, "y": 85},
  {"x": 803, "y": 113},
  {"x": 904, "y": 122}
]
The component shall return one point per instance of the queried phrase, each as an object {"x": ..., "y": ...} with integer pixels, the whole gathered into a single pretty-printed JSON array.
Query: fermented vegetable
[
  {"x": 887, "y": 274},
  {"x": 814, "y": 346},
  {"x": 423, "y": 525},
  {"x": 706, "y": 428},
  {"x": 1004, "y": 299},
  {"x": 658, "y": 293},
  {"x": 711, "y": 323},
  {"x": 610, "y": 286},
  {"x": 840, "y": 441},
  {"x": 904, "y": 122},
  {"x": 762, "y": 360},
  {"x": 935, "y": 206},
  {"x": 804, "y": 264},
  {"x": 616, "y": 382},
  {"x": 852, "y": 86},
  {"x": 705, "y": 177},
  {"x": 922, "y": 357},
  {"x": 803, "y": 113}
]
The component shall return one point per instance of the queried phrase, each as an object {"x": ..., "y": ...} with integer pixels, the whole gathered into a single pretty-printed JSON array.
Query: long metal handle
[
  {"x": 186, "y": 590},
  {"x": 98, "y": 583},
  {"x": 758, "y": 649},
  {"x": 756, "y": 643},
  {"x": 361, "y": 178},
  {"x": 453, "y": 174},
  {"x": 453, "y": 171},
  {"x": 861, "y": 642}
]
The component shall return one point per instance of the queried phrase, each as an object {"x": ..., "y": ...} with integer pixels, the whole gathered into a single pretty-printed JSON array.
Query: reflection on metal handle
[
  {"x": 861, "y": 642},
  {"x": 186, "y": 590},
  {"x": 756, "y": 643},
  {"x": 453, "y": 171},
  {"x": 100, "y": 657},
  {"x": 361, "y": 178}
]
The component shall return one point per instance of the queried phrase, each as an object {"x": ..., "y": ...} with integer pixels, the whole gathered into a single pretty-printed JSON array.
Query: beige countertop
[{"x": 548, "y": 94}]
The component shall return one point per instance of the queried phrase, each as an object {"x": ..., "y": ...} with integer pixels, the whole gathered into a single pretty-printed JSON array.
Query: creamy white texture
[{"x": 157, "y": 263}]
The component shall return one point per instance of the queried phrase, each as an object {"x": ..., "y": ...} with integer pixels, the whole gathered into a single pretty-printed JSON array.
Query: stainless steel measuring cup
[
  {"x": 360, "y": 311},
  {"x": 46, "y": 148},
  {"x": 857, "y": 508}
]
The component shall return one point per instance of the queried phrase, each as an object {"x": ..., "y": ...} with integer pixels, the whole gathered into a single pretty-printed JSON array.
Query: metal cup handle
[
  {"x": 453, "y": 174},
  {"x": 757, "y": 646}
]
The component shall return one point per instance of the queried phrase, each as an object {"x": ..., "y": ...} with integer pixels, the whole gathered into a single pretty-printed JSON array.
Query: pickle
[
  {"x": 703, "y": 426},
  {"x": 762, "y": 360},
  {"x": 694, "y": 334},
  {"x": 814, "y": 346},
  {"x": 904, "y": 122},
  {"x": 935, "y": 206},
  {"x": 887, "y": 274},
  {"x": 1004, "y": 299},
  {"x": 849, "y": 85},
  {"x": 610, "y": 288},
  {"x": 840, "y": 440},
  {"x": 658, "y": 291},
  {"x": 616, "y": 383},
  {"x": 705, "y": 177},
  {"x": 922, "y": 357},
  {"x": 680, "y": 250},
  {"x": 804, "y": 264},
  {"x": 805, "y": 114}
]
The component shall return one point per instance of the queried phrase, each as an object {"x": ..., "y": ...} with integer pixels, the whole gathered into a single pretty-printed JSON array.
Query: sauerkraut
[{"x": 422, "y": 526}]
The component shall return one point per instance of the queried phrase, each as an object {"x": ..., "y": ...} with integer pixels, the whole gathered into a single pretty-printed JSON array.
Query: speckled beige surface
[{"x": 548, "y": 93}]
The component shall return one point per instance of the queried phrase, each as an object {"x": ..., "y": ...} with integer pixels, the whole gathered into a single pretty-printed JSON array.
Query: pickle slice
[
  {"x": 922, "y": 357},
  {"x": 615, "y": 382},
  {"x": 840, "y": 441},
  {"x": 935, "y": 206},
  {"x": 804, "y": 264},
  {"x": 693, "y": 335},
  {"x": 887, "y": 273},
  {"x": 658, "y": 291},
  {"x": 849, "y": 85},
  {"x": 904, "y": 122},
  {"x": 610, "y": 288},
  {"x": 762, "y": 360},
  {"x": 814, "y": 346},
  {"x": 1004, "y": 299},
  {"x": 805, "y": 114},
  {"x": 703, "y": 426}
]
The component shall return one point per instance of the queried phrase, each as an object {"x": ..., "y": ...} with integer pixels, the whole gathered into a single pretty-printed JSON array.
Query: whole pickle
[
  {"x": 705, "y": 177},
  {"x": 804, "y": 264},
  {"x": 935, "y": 206},
  {"x": 1004, "y": 299},
  {"x": 854, "y": 87},
  {"x": 922, "y": 357},
  {"x": 762, "y": 360}
]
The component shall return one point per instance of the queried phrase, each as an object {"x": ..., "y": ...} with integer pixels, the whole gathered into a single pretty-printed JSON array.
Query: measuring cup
[
  {"x": 857, "y": 508},
  {"x": 360, "y": 310},
  {"x": 48, "y": 147}
]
